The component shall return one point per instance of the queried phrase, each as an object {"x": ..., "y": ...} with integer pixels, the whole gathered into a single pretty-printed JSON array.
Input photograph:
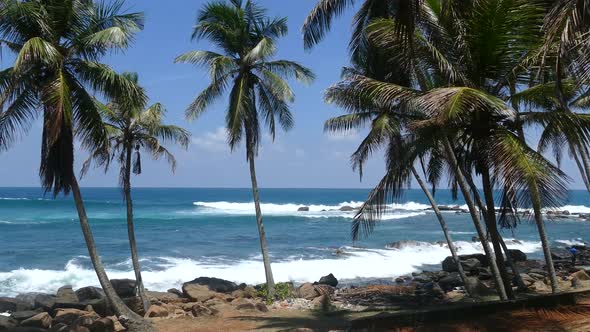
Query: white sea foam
[
  {"x": 172, "y": 272},
  {"x": 397, "y": 211},
  {"x": 573, "y": 242}
]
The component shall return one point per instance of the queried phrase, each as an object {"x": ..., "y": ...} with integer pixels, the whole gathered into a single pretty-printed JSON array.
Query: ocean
[{"x": 186, "y": 233}]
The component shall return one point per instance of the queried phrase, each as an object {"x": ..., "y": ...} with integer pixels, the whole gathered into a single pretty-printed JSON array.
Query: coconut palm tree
[
  {"x": 133, "y": 128},
  {"x": 257, "y": 84},
  {"x": 402, "y": 152},
  {"x": 58, "y": 45}
]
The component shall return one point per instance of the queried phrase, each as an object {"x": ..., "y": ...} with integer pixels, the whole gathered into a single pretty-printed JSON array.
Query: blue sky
[{"x": 303, "y": 157}]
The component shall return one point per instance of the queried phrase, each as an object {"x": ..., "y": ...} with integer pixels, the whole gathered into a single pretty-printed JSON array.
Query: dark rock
[
  {"x": 89, "y": 293},
  {"x": 22, "y": 315},
  {"x": 517, "y": 255},
  {"x": 346, "y": 208},
  {"x": 468, "y": 263},
  {"x": 329, "y": 280},
  {"x": 303, "y": 209},
  {"x": 475, "y": 239},
  {"x": 175, "y": 291},
  {"x": 7, "y": 323},
  {"x": 69, "y": 316},
  {"x": 124, "y": 287},
  {"x": 430, "y": 289},
  {"x": 484, "y": 273},
  {"x": 59, "y": 327},
  {"x": 451, "y": 281},
  {"x": 26, "y": 301},
  {"x": 44, "y": 301},
  {"x": 560, "y": 254},
  {"x": 423, "y": 278},
  {"x": 199, "y": 310},
  {"x": 8, "y": 304},
  {"x": 477, "y": 288},
  {"x": 215, "y": 284}
]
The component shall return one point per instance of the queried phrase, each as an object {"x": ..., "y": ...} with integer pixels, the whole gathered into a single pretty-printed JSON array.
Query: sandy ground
[{"x": 575, "y": 318}]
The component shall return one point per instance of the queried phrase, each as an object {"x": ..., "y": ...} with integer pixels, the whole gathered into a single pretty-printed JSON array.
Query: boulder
[
  {"x": 59, "y": 327},
  {"x": 7, "y": 323},
  {"x": 430, "y": 289},
  {"x": 322, "y": 302},
  {"x": 541, "y": 286},
  {"x": 124, "y": 287},
  {"x": 215, "y": 284},
  {"x": 8, "y": 304},
  {"x": 156, "y": 311},
  {"x": 303, "y": 209},
  {"x": 89, "y": 293},
  {"x": 243, "y": 304},
  {"x": 468, "y": 263},
  {"x": 580, "y": 275},
  {"x": 199, "y": 310},
  {"x": 66, "y": 294},
  {"x": 102, "y": 325},
  {"x": 26, "y": 301},
  {"x": 163, "y": 296},
  {"x": 561, "y": 254},
  {"x": 451, "y": 281},
  {"x": 527, "y": 279},
  {"x": 517, "y": 255},
  {"x": 196, "y": 292},
  {"x": 175, "y": 291},
  {"x": 261, "y": 307},
  {"x": 346, "y": 208},
  {"x": 307, "y": 291},
  {"x": 44, "y": 301},
  {"x": 42, "y": 320},
  {"x": 22, "y": 315},
  {"x": 247, "y": 292},
  {"x": 329, "y": 280},
  {"x": 477, "y": 288},
  {"x": 69, "y": 316},
  {"x": 423, "y": 278}
]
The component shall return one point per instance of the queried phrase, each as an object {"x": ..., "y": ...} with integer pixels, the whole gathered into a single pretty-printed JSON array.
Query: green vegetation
[{"x": 283, "y": 291}]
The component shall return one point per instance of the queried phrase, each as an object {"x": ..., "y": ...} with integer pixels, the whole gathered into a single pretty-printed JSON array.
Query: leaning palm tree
[
  {"x": 132, "y": 128},
  {"x": 258, "y": 90},
  {"x": 402, "y": 152},
  {"x": 58, "y": 45}
]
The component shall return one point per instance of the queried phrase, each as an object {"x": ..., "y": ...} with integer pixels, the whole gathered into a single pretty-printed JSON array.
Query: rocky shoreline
[
  {"x": 553, "y": 214},
  {"x": 86, "y": 309}
]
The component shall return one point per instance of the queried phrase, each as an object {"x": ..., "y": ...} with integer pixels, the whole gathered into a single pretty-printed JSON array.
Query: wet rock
[
  {"x": 196, "y": 292},
  {"x": 303, "y": 209},
  {"x": 89, "y": 293},
  {"x": 329, "y": 280},
  {"x": 560, "y": 254},
  {"x": 26, "y": 301},
  {"x": 215, "y": 284},
  {"x": 7, "y": 323},
  {"x": 346, "y": 208},
  {"x": 156, "y": 311},
  {"x": 42, "y": 320},
  {"x": 124, "y": 287},
  {"x": 307, "y": 291},
  {"x": 517, "y": 255},
  {"x": 469, "y": 262}
]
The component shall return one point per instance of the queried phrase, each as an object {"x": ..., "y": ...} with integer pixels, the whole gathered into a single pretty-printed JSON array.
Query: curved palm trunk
[
  {"x": 543, "y": 235},
  {"x": 270, "y": 283},
  {"x": 518, "y": 278},
  {"x": 443, "y": 225},
  {"x": 476, "y": 221},
  {"x": 493, "y": 229},
  {"x": 136, "y": 322},
  {"x": 140, "y": 290}
]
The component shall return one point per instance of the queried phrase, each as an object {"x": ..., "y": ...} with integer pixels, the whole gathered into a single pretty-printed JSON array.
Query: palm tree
[
  {"x": 246, "y": 36},
  {"x": 58, "y": 45},
  {"x": 386, "y": 130},
  {"x": 132, "y": 128}
]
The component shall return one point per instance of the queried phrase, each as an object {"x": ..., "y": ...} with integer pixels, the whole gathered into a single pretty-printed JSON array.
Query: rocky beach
[{"x": 212, "y": 299}]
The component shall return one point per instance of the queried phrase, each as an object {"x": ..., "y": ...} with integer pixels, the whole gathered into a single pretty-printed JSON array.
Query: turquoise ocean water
[{"x": 186, "y": 233}]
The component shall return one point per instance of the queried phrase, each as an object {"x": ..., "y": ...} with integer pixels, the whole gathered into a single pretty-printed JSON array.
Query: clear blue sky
[{"x": 303, "y": 157}]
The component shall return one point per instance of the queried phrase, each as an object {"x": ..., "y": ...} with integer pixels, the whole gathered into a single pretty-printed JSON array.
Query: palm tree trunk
[
  {"x": 140, "y": 290},
  {"x": 270, "y": 283},
  {"x": 493, "y": 229},
  {"x": 136, "y": 322},
  {"x": 543, "y": 235},
  {"x": 443, "y": 225},
  {"x": 519, "y": 282},
  {"x": 476, "y": 221}
]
